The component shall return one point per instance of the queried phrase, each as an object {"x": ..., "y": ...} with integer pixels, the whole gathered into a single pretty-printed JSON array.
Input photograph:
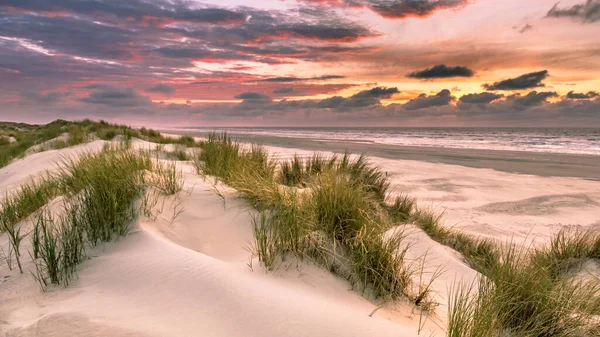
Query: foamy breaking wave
[{"x": 569, "y": 141}]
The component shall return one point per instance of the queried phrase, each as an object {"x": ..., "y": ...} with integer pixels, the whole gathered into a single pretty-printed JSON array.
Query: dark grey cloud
[
  {"x": 442, "y": 98},
  {"x": 285, "y": 90},
  {"x": 588, "y": 95},
  {"x": 52, "y": 97},
  {"x": 480, "y": 98},
  {"x": 524, "y": 29},
  {"x": 530, "y": 110},
  {"x": 442, "y": 71},
  {"x": 526, "y": 81},
  {"x": 115, "y": 96},
  {"x": 30, "y": 70},
  {"x": 586, "y": 12},
  {"x": 533, "y": 98},
  {"x": 150, "y": 32},
  {"x": 264, "y": 27},
  {"x": 161, "y": 88},
  {"x": 70, "y": 35},
  {"x": 377, "y": 92},
  {"x": 140, "y": 10},
  {"x": 252, "y": 96},
  {"x": 366, "y": 99},
  {"x": 402, "y": 9},
  {"x": 362, "y": 99}
]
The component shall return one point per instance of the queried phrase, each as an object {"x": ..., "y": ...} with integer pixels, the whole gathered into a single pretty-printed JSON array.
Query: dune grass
[
  {"x": 166, "y": 178},
  {"x": 77, "y": 132},
  {"x": 526, "y": 293},
  {"x": 339, "y": 222},
  {"x": 180, "y": 153},
  {"x": 101, "y": 192},
  {"x": 27, "y": 136},
  {"x": 480, "y": 254},
  {"x": 28, "y": 198},
  {"x": 300, "y": 172},
  {"x": 339, "y": 219},
  {"x": 106, "y": 185},
  {"x": 523, "y": 290},
  {"x": 333, "y": 211},
  {"x": 100, "y": 188}
]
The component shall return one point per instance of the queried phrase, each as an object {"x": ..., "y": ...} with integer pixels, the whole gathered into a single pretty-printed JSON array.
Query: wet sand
[{"x": 540, "y": 164}]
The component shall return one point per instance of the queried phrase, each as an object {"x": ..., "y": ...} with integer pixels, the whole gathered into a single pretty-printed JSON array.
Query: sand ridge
[{"x": 188, "y": 272}]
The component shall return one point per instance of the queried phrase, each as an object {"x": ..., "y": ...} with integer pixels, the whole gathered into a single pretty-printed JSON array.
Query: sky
[{"x": 159, "y": 63}]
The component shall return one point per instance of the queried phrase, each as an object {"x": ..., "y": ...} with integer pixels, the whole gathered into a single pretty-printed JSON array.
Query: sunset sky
[{"x": 302, "y": 63}]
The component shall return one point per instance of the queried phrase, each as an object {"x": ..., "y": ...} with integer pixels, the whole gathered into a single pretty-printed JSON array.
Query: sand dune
[
  {"x": 191, "y": 274},
  {"x": 189, "y": 278}
]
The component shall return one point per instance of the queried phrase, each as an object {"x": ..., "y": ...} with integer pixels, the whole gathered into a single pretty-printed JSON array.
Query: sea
[{"x": 550, "y": 140}]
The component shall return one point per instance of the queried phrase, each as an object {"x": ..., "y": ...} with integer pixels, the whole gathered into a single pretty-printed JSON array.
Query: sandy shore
[
  {"x": 190, "y": 275},
  {"x": 194, "y": 276},
  {"x": 541, "y": 164}
]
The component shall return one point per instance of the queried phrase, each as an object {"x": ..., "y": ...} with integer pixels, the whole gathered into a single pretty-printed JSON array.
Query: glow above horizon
[{"x": 306, "y": 62}]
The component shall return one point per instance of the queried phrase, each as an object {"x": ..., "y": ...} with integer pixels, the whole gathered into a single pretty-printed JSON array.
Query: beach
[
  {"x": 189, "y": 270},
  {"x": 535, "y": 163}
]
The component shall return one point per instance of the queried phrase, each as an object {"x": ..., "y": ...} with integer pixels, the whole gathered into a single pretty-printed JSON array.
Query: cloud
[
  {"x": 402, "y": 9},
  {"x": 442, "y": 98},
  {"x": 156, "y": 31},
  {"x": 533, "y": 98},
  {"x": 480, "y": 98},
  {"x": 256, "y": 103},
  {"x": 250, "y": 95},
  {"x": 365, "y": 98},
  {"x": 285, "y": 90},
  {"x": 200, "y": 53},
  {"x": 587, "y": 12},
  {"x": 52, "y": 97},
  {"x": 526, "y": 81},
  {"x": 588, "y": 95},
  {"x": 161, "y": 88},
  {"x": 69, "y": 35},
  {"x": 139, "y": 10},
  {"x": 301, "y": 79},
  {"x": 115, "y": 96},
  {"x": 524, "y": 29},
  {"x": 442, "y": 71},
  {"x": 377, "y": 92}
]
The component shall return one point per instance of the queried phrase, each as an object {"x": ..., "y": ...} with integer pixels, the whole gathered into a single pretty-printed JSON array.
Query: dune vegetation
[
  {"x": 338, "y": 212},
  {"x": 101, "y": 194},
  {"x": 335, "y": 211},
  {"x": 47, "y": 137}
]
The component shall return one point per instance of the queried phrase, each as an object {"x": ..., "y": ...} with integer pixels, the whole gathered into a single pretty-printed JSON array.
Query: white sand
[{"x": 190, "y": 276}]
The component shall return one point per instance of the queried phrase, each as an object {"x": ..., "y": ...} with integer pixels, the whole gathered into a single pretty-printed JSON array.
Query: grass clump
[
  {"x": 301, "y": 172},
  {"x": 167, "y": 178},
  {"x": 480, "y": 254},
  {"x": 402, "y": 208},
  {"x": 530, "y": 292},
  {"x": 48, "y": 246},
  {"x": 220, "y": 156},
  {"x": 76, "y": 132},
  {"x": 342, "y": 209},
  {"x": 378, "y": 263},
  {"x": 102, "y": 189},
  {"x": 181, "y": 154},
  {"x": 339, "y": 222},
  {"x": 109, "y": 181},
  {"x": 292, "y": 172},
  {"x": 223, "y": 158},
  {"x": 27, "y": 199}
]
